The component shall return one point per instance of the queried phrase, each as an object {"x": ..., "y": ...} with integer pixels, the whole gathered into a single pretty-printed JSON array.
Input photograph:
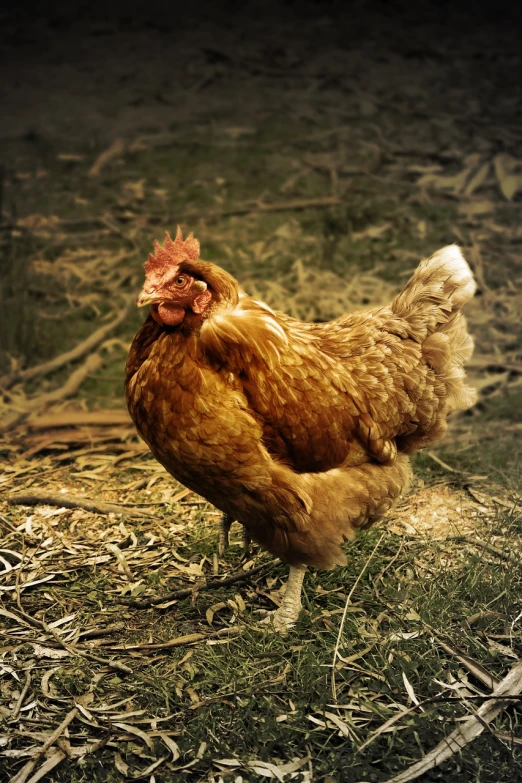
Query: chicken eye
[{"x": 180, "y": 281}]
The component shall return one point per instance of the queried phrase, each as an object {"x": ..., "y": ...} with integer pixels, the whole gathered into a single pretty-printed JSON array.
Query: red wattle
[{"x": 168, "y": 314}]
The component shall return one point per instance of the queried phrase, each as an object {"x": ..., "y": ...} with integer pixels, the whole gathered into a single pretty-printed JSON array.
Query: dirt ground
[{"x": 318, "y": 151}]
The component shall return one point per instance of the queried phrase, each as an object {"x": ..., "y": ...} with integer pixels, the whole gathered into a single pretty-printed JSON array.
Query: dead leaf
[
  {"x": 146, "y": 772},
  {"x": 135, "y": 190},
  {"x": 236, "y": 132},
  {"x": 409, "y": 689},
  {"x": 171, "y": 745},
  {"x": 137, "y": 733},
  {"x": 49, "y": 652},
  {"x": 338, "y": 723},
  {"x": 209, "y": 614},
  {"x": 503, "y": 649},
  {"x": 455, "y": 183},
  {"x": 474, "y": 209},
  {"x": 120, "y": 764},
  {"x": 372, "y": 232},
  {"x": 48, "y": 689},
  {"x": 509, "y": 181},
  {"x": 40, "y": 224},
  {"x": 477, "y": 180}
]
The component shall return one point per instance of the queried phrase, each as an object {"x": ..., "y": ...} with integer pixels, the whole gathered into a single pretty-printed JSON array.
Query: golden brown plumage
[{"x": 299, "y": 431}]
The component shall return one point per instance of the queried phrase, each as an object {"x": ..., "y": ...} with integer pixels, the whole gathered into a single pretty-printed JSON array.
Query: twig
[
  {"x": 70, "y": 501},
  {"x": 510, "y": 686},
  {"x": 95, "y": 633},
  {"x": 510, "y": 557},
  {"x": 101, "y": 418},
  {"x": 483, "y": 499},
  {"x": 70, "y": 387},
  {"x": 212, "y": 584},
  {"x": 343, "y": 618},
  {"x": 20, "y": 702},
  {"x": 116, "y": 149},
  {"x": 116, "y": 665},
  {"x": 26, "y": 770},
  {"x": 181, "y": 640},
  {"x": 74, "y": 651},
  {"x": 444, "y": 465},
  {"x": 79, "y": 350},
  {"x": 487, "y": 614},
  {"x": 281, "y": 206}
]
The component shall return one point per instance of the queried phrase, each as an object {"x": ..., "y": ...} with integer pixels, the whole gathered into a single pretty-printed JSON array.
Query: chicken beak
[{"x": 146, "y": 298}]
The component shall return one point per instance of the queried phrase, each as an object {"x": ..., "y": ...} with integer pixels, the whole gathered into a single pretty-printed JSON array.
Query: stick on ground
[
  {"x": 510, "y": 686},
  {"x": 78, "y": 351},
  {"x": 70, "y": 501},
  {"x": 26, "y": 770},
  {"x": 212, "y": 584}
]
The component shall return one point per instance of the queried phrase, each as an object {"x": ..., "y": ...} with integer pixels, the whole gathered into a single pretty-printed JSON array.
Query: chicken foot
[
  {"x": 286, "y": 616},
  {"x": 224, "y": 529}
]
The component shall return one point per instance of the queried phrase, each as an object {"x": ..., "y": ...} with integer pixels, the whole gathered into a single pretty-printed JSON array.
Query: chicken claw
[{"x": 288, "y": 613}]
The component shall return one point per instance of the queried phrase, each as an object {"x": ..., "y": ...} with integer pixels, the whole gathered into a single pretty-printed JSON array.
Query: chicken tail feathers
[
  {"x": 438, "y": 288},
  {"x": 430, "y": 303}
]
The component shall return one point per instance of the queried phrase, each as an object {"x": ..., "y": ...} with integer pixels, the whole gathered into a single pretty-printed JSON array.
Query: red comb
[{"x": 172, "y": 254}]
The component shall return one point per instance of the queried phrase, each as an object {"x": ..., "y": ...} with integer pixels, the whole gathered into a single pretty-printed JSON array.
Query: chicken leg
[
  {"x": 224, "y": 529},
  {"x": 288, "y": 613}
]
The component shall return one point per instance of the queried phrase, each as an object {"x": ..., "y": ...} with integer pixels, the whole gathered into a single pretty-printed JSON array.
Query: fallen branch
[
  {"x": 189, "y": 638},
  {"x": 70, "y": 387},
  {"x": 95, "y": 633},
  {"x": 73, "y": 651},
  {"x": 70, "y": 501},
  {"x": 212, "y": 584},
  {"x": 20, "y": 701},
  {"x": 509, "y": 687},
  {"x": 116, "y": 149},
  {"x": 440, "y": 699},
  {"x": 79, "y": 350},
  {"x": 26, "y": 770},
  {"x": 104, "y": 418},
  {"x": 282, "y": 206}
]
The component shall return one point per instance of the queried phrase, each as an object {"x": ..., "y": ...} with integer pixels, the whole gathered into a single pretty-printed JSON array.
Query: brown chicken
[{"x": 300, "y": 431}]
